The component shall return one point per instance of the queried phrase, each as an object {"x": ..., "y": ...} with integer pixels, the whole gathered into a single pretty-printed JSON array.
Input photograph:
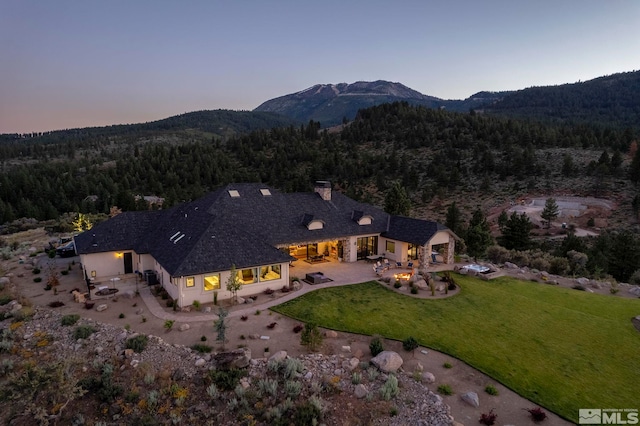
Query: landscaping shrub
[
  {"x": 226, "y": 379},
  {"x": 489, "y": 418},
  {"x": 199, "y": 347},
  {"x": 38, "y": 279},
  {"x": 409, "y": 344},
  {"x": 244, "y": 317},
  {"x": 537, "y": 414},
  {"x": 311, "y": 337},
  {"x": 376, "y": 346},
  {"x": 308, "y": 413},
  {"x": 121, "y": 316},
  {"x": 169, "y": 303},
  {"x": 35, "y": 271},
  {"x": 541, "y": 264},
  {"x": 447, "y": 365},
  {"x": 203, "y": 339},
  {"x": 64, "y": 272},
  {"x": 390, "y": 388},
  {"x": 445, "y": 390},
  {"x": 4, "y": 299},
  {"x": 298, "y": 328},
  {"x": 138, "y": 343},
  {"x": 559, "y": 266},
  {"x": 196, "y": 305},
  {"x": 70, "y": 319},
  {"x": 491, "y": 390},
  {"x": 397, "y": 284},
  {"x": 168, "y": 324},
  {"x": 83, "y": 331},
  {"x": 268, "y": 291},
  {"x": 498, "y": 254},
  {"x": 414, "y": 290},
  {"x": 56, "y": 304}
]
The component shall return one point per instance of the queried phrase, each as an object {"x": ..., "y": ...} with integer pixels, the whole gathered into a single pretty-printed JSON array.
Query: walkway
[{"x": 341, "y": 273}]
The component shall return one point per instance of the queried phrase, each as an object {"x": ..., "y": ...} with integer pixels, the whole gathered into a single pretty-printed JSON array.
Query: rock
[
  {"x": 440, "y": 288},
  {"x": 200, "y": 362},
  {"x": 510, "y": 265},
  {"x": 240, "y": 300},
  {"x": 134, "y": 363},
  {"x": 582, "y": 281},
  {"x": 424, "y": 351},
  {"x": 4, "y": 281},
  {"x": 238, "y": 358},
  {"x": 254, "y": 336},
  {"x": 244, "y": 382},
  {"x": 178, "y": 374},
  {"x": 184, "y": 327},
  {"x": 358, "y": 353},
  {"x": 16, "y": 307},
  {"x": 419, "y": 367},
  {"x": 346, "y": 349},
  {"x": 278, "y": 356},
  {"x": 98, "y": 349},
  {"x": 387, "y": 361},
  {"x": 588, "y": 290},
  {"x": 249, "y": 300},
  {"x": 207, "y": 310},
  {"x": 635, "y": 290},
  {"x": 428, "y": 377},
  {"x": 102, "y": 307},
  {"x": 471, "y": 398},
  {"x": 308, "y": 375},
  {"x": 463, "y": 271},
  {"x": 295, "y": 285},
  {"x": 264, "y": 337},
  {"x": 139, "y": 311},
  {"x": 128, "y": 353},
  {"x": 360, "y": 391},
  {"x": 351, "y": 364},
  {"x": 422, "y": 284},
  {"x": 122, "y": 336},
  {"x": 186, "y": 309},
  {"x": 330, "y": 334}
]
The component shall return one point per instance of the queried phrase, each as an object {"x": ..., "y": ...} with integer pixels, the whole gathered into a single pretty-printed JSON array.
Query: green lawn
[{"x": 561, "y": 348}]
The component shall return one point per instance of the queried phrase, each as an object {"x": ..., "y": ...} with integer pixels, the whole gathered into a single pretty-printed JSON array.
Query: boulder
[
  {"x": 184, "y": 327},
  {"x": 238, "y": 358},
  {"x": 471, "y": 398},
  {"x": 330, "y": 334},
  {"x": 635, "y": 290},
  {"x": 102, "y": 307},
  {"x": 4, "y": 281},
  {"x": 200, "y": 362},
  {"x": 16, "y": 307},
  {"x": 387, "y": 361},
  {"x": 207, "y": 310},
  {"x": 582, "y": 281},
  {"x": 421, "y": 283},
  {"x": 510, "y": 265},
  {"x": 360, "y": 391},
  {"x": 240, "y": 300},
  {"x": 463, "y": 271},
  {"x": 346, "y": 349},
  {"x": 428, "y": 377},
  {"x": 278, "y": 356},
  {"x": 351, "y": 364}
]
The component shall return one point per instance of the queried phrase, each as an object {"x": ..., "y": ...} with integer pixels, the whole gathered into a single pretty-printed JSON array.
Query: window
[
  {"x": 248, "y": 276},
  {"x": 234, "y": 193},
  {"x": 391, "y": 247},
  {"x": 191, "y": 282},
  {"x": 265, "y": 192},
  {"x": 212, "y": 282},
  {"x": 269, "y": 273}
]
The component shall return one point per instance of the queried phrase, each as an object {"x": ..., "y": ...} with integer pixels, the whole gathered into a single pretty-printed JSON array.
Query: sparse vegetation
[
  {"x": 445, "y": 389},
  {"x": 137, "y": 343}
]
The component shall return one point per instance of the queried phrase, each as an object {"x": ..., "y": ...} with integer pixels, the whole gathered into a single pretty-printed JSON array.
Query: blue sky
[{"x": 68, "y": 64}]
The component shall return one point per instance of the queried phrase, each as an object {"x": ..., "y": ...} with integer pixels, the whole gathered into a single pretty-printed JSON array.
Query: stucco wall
[{"x": 105, "y": 265}]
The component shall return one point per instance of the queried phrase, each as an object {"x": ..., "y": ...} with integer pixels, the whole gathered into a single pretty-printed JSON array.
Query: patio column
[
  {"x": 449, "y": 250},
  {"x": 423, "y": 256}
]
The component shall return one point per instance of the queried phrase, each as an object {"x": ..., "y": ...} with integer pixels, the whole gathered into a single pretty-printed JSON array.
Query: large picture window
[
  {"x": 248, "y": 276},
  {"x": 270, "y": 273},
  {"x": 391, "y": 247},
  {"x": 212, "y": 282}
]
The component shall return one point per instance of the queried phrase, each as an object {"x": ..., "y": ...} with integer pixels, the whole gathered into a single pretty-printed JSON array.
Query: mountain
[
  {"x": 329, "y": 103},
  {"x": 612, "y": 101},
  {"x": 218, "y": 123}
]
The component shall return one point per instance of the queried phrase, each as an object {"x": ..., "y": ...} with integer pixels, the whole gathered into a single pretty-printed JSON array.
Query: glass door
[{"x": 367, "y": 246}]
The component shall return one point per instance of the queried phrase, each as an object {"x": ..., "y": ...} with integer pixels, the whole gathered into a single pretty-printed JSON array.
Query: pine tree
[
  {"x": 397, "y": 201},
  {"x": 478, "y": 235},
  {"x": 453, "y": 220},
  {"x": 515, "y": 234},
  {"x": 550, "y": 211}
]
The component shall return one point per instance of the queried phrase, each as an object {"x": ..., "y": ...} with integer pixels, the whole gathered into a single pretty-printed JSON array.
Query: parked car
[{"x": 67, "y": 250}]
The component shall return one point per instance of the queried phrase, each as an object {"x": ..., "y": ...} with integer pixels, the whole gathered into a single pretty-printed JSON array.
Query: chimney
[{"x": 323, "y": 187}]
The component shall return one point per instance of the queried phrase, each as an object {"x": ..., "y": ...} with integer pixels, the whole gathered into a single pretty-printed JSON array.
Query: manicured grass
[{"x": 561, "y": 348}]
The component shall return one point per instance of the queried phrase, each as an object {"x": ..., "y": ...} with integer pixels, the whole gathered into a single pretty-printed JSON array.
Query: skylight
[
  {"x": 234, "y": 193},
  {"x": 265, "y": 192}
]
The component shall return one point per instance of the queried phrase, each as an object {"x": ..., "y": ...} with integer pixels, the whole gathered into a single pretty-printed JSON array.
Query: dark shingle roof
[
  {"x": 414, "y": 231},
  {"x": 218, "y": 230}
]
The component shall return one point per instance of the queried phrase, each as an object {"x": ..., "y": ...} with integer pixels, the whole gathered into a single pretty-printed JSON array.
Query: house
[{"x": 192, "y": 247}]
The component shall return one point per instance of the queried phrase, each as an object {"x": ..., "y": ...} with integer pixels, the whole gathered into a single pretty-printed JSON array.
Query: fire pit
[{"x": 402, "y": 276}]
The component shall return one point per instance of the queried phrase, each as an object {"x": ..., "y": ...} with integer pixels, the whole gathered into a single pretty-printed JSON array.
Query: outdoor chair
[
  {"x": 398, "y": 264},
  {"x": 410, "y": 265},
  {"x": 386, "y": 263}
]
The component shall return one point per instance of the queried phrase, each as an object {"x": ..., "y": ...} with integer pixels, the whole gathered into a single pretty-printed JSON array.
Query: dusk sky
[{"x": 66, "y": 64}]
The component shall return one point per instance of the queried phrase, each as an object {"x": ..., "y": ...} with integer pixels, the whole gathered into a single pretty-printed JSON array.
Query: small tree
[
  {"x": 82, "y": 223},
  {"x": 478, "y": 235},
  {"x": 397, "y": 201},
  {"x": 233, "y": 283},
  {"x": 311, "y": 337},
  {"x": 550, "y": 211},
  {"x": 220, "y": 325}
]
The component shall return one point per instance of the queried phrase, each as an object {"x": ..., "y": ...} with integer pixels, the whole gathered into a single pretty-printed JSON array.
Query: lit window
[
  {"x": 191, "y": 281},
  {"x": 269, "y": 273},
  {"x": 212, "y": 282},
  {"x": 391, "y": 247},
  {"x": 248, "y": 276}
]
